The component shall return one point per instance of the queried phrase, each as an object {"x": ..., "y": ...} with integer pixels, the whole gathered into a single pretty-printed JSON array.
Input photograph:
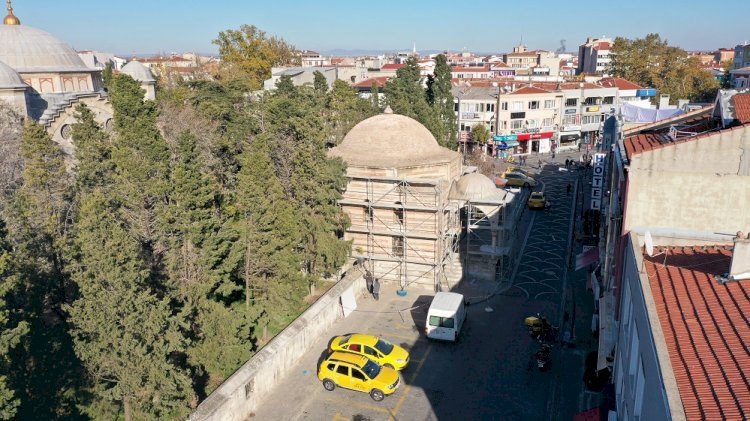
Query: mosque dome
[
  {"x": 476, "y": 187},
  {"x": 138, "y": 71},
  {"x": 31, "y": 50},
  {"x": 9, "y": 78},
  {"x": 391, "y": 140}
]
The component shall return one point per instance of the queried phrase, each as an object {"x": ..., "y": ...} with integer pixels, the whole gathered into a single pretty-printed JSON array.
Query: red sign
[
  {"x": 465, "y": 136},
  {"x": 528, "y": 136}
]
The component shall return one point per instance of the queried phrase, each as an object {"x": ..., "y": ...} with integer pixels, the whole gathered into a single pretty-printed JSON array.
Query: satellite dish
[{"x": 649, "y": 244}]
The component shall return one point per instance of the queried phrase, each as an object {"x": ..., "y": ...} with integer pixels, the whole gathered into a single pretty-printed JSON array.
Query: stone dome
[
  {"x": 391, "y": 140},
  {"x": 138, "y": 71},
  {"x": 476, "y": 187},
  {"x": 31, "y": 50},
  {"x": 9, "y": 78}
]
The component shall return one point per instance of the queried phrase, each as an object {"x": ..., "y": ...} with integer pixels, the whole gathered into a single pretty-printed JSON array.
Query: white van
[{"x": 445, "y": 317}]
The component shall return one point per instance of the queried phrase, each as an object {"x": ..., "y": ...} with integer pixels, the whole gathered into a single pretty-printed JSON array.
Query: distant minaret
[
  {"x": 413, "y": 49},
  {"x": 11, "y": 19}
]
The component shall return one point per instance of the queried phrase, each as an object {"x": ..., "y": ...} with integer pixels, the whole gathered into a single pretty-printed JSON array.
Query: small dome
[
  {"x": 9, "y": 78},
  {"x": 31, "y": 50},
  {"x": 476, "y": 187},
  {"x": 389, "y": 141},
  {"x": 138, "y": 71}
]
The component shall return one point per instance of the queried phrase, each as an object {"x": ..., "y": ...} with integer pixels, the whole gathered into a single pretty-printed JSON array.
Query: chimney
[{"x": 740, "y": 268}]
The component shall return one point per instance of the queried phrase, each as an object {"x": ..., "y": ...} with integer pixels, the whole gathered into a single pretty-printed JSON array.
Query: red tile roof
[
  {"x": 742, "y": 107},
  {"x": 391, "y": 66},
  {"x": 706, "y": 328},
  {"x": 619, "y": 83},
  {"x": 642, "y": 142},
  {"x": 529, "y": 90},
  {"x": 367, "y": 83},
  {"x": 602, "y": 46}
]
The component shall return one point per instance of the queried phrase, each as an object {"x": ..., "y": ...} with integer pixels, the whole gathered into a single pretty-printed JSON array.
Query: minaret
[{"x": 11, "y": 19}]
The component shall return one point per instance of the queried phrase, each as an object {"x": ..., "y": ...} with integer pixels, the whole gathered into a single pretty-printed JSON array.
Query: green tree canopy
[
  {"x": 248, "y": 54},
  {"x": 440, "y": 98},
  {"x": 651, "y": 62}
]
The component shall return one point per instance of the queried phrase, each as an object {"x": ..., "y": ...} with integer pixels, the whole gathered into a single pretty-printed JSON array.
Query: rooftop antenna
[{"x": 649, "y": 244}]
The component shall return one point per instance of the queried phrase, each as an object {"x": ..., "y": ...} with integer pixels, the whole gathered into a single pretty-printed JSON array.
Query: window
[
  {"x": 591, "y": 119},
  {"x": 532, "y": 124},
  {"x": 639, "y": 386},
  {"x": 533, "y": 105},
  {"x": 609, "y": 100},
  {"x": 516, "y": 124},
  {"x": 569, "y": 120},
  {"x": 398, "y": 216},
  {"x": 342, "y": 369},
  {"x": 634, "y": 357},
  {"x": 549, "y": 103},
  {"x": 571, "y": 102},
  {"x": 504, "y": 106},
  {"x": 490, "y": 107},
  {"x": 354, "y": 347},
  {"x": 358, "y": 374},
  {"x": 442, "y": 321},
  {"x": 548, "y": 122},
  {"x": 398, "y": 246},
  {"x": 516, "y": 106},
  {"x": 370, "y": 351}
]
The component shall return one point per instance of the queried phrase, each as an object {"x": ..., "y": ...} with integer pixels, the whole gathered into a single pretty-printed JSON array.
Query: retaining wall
[{"x": 241, "y": 393}]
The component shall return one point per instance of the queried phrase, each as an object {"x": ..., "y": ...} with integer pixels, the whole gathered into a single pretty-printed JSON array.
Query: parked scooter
[
  {"x": 543, "y": 358},
  {"x": 540, "y": 328}
]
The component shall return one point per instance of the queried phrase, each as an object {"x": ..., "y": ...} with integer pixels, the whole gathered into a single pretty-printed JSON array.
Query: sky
[{"x": 163, "y": 26}]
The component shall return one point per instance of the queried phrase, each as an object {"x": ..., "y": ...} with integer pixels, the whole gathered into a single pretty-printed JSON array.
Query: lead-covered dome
[
  {"x": 31, "y": 50},
  {"x": 9, "y": 78},
  {"x": 476, "y": 187},
  {"x": 391, "y": 140},
  {"x": 138, "y": 71}
]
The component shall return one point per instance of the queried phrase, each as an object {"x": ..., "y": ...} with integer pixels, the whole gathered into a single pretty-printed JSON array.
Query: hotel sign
[{"x": 597, "y": 181}]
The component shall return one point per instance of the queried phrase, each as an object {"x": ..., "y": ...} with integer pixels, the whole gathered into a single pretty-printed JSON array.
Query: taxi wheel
[
  {"x": 388, "y": 365},
  {"x": 526, "y": 185},
  {"x": 329, "y": 384},
  {"x": 377, "y": 395}
]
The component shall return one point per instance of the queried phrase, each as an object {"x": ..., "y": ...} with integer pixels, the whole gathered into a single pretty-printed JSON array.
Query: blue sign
[
  {"x": 645, "y": 92},
  {"x": 504, "y": 138}
]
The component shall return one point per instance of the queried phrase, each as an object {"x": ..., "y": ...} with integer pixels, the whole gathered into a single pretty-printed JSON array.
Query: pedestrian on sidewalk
[
  {"x": 569, "y": 188},
  {"x": 368, "y": 279},
  {"x": 540, "y": 163},
  {"x": 376, "y": 289},
  {"x": 548, "y": 205}
]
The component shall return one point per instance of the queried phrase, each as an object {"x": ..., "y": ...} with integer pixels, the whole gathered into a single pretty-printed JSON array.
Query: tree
[
  {"x": 320, "y": 83},
  {"x": 93, "y": 151},
  {"x": 375, "y": 95},
  {"x": 440, "y": 98},
  {"x": 650, "y": 61},
  {"x": 480, "y": 134},
  {"x": 726, "y": 78},
  {"x": 406, "y": 96},
  {"x": 124, "y": 334},
  {"x": 344, "y": 109},
  {"x": 12, "y": 326},
  {"x": 248, "y": 54}
]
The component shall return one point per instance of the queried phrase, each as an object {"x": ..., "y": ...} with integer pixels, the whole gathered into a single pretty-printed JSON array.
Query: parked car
[
  {"x": 377, "y": 349},
  {"x": 357, "y": 372},
  {"x": 518, "y": 179},
  {"x": 537, "y": 200},
  {"x": 527, "y": 173}
]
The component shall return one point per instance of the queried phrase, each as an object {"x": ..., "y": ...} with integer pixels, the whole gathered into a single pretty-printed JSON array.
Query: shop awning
[{"x": 507, "y": 144}]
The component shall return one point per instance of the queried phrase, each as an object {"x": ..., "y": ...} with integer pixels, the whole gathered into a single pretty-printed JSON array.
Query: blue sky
[{"x": 141, "y": 26}]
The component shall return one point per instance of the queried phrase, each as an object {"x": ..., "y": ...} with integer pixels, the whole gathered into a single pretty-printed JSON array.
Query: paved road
[{"x": 491, "y": 373}]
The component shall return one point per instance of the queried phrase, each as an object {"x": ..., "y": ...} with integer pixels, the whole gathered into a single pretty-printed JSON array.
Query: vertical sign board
[{"x": 597, "y": 181}]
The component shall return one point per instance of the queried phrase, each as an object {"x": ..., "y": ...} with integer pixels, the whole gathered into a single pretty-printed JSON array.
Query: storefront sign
[
  {"x": 504, "y": 138},
  {"x": 570, "y": 111},
  {"x": 592, "y": 109},
  {"x": 518, "y": 115},
  {"x": 597, "y": 181}
]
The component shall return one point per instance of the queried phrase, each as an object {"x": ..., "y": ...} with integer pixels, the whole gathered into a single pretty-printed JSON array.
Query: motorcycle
[
  {"x": 543, "y": 356},
  {"x": 540, "y": 328}
]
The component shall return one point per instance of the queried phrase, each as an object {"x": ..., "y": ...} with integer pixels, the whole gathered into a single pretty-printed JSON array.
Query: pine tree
[
  {"x": 440, "y": 98},
  {"x": 93, "y": 151},
  {"x": 124, "y": 334},
  {"x": 12, "y": 327}
]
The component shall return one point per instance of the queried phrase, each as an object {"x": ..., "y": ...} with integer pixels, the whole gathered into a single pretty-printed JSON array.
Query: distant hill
[{"x": 338, "y": 52}]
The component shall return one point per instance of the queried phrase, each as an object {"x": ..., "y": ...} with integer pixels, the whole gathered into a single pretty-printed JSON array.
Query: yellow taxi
[
  {"x": 517, "y": 179},
  {"x": 357, "y": 372},
  {"x": 377, "y": 349},
  {"x": 537, "y": 200},
  {"x": 527, "y": 173}
]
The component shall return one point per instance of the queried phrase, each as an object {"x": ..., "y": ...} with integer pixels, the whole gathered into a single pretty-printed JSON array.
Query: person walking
[
  {"x": 376, "y": 289},
  {"x": 569, "y": 188},
  {"x": 369, "y": 284},
  {"x": 540, "y": 164},
  {"x": 548, "y": 205}
]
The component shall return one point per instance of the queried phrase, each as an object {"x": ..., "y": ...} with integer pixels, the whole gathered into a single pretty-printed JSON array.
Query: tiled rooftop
[
  {"x": 742, "y": 107},
  {"x": 706, "y": 328}
]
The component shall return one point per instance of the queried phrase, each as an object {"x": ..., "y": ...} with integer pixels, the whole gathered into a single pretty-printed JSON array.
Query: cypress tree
[
  {"x": 93, "y": 151},
  {"x": 440, "y": 98}
]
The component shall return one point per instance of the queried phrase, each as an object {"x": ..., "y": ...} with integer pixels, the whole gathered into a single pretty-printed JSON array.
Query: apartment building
[{"x": 594, "y": 56}]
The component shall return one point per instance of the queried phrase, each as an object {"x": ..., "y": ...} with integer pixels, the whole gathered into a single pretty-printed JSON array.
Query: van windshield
[{"x": 442, "y": 321}]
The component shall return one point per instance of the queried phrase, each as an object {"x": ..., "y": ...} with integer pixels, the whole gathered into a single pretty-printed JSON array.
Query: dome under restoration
[
  {"x": 391, "y": 140},
  {"x": 31, "y": 50}
]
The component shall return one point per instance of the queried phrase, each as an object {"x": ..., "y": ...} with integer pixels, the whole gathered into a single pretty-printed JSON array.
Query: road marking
[
  {"x": 408, "y": 387},
  {"x": 339, "y": 417},
  {"x": 344, "y": 402}
]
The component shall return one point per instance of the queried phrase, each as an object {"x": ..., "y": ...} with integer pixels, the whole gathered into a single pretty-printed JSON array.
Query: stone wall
[{"x": 239, "y": 395}]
